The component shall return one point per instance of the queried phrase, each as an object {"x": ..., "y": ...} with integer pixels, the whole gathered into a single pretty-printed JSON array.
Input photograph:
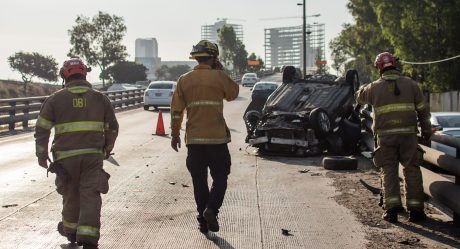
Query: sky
[{"x": 42, "y": 26}]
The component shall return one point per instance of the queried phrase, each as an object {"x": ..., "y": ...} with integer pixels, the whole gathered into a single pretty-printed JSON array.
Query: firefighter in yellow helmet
[
  {"x": 398, "y": 104},
  {"x": 85, "y": 129},
  {"x": 201, "y": 92}
]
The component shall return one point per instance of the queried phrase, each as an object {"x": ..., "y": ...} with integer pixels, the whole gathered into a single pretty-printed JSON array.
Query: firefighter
[
  {"x": 398, "y": 104},
  {"x": 85, "y": 129},
  {"x": 201, "y": 92}
]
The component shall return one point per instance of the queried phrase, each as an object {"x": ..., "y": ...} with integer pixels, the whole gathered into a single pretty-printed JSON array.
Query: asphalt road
[{"x": 150, "y": 203}]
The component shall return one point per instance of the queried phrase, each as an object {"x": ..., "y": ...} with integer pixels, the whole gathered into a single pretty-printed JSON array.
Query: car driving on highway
[
  {"x": 249, "y": 79},
  {"x": 159, "y": 93},
  {"x": 263, "y": 89}
]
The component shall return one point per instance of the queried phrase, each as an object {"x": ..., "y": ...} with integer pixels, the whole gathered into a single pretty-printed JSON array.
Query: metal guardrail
[
  {"x": 436, "y": 186},
  {"x": 23, "y": 110}
]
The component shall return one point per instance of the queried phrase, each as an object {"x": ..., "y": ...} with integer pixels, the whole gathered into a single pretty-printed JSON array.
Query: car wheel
[
  {"x": 146, "y": 107},
  {"x": 340, "y": 163},
  {"x": 352, "y": 79},
  {"x": 320, "y": 122}
]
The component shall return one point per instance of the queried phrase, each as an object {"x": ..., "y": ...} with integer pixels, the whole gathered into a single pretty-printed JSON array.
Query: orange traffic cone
[{"x": 160, "y": 126}]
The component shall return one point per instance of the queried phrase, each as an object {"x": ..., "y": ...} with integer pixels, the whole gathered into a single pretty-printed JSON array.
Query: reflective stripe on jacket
[
  {"x": 395, "y": 114},
  {"x": 201, "y": 92},
  {"x": 83, "y": 119}
]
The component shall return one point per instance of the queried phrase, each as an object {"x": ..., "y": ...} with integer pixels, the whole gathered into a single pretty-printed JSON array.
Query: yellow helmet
[{"x": 204, "y": 48}]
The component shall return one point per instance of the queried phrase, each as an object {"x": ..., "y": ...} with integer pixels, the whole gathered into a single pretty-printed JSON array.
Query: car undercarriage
[{"x": 305, "y": 117}]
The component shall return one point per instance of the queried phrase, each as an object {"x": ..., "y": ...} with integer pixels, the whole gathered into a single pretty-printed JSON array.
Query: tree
[
  {"x": 424, "y": 31},
  {"x": 98, "y": 41},
  {"x": 176, "y": 71},
  {"x": 162, "y": 73},
  {"x": 414, "y": 30},
  {"x": 31, "y": 65},
  {"x": 233, "y": 51},
  {"x": 127, "y": 72},
  {"x": 359, "y": 43},
  {"x": 171, "y": 73}
]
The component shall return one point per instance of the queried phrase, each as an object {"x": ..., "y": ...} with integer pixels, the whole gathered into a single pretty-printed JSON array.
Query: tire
[
  {"x": 352, "y": 79},
  {"x": 340, "y": 163},
  {"x": 146, "y": 107},
  {"x": 320, "y": 122}
]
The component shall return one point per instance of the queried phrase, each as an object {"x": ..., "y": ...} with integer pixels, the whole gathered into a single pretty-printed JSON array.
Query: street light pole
[{"x": 304, "y": 38}]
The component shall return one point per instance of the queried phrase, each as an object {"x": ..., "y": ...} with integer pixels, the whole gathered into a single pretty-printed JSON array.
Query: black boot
[
  {"x": 391, "y": 215},
  {"x": 202, "y": 224},
  {"x": 71, "y": 237},
  {"x": 89, "y": 246},
  {"x": 416, "y": 216},
  {"x": 211, "y": 218}
]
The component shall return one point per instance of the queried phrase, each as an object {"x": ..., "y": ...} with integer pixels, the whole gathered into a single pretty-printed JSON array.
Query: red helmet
[
  {"x": 385, "y": 60},
  {"x": 73, "y": 66}
]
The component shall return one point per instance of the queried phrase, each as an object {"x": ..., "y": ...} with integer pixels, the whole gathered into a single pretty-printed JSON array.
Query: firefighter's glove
[
  {"x": 43, "y": 162},
  {"x": 57, "y": 169},
  {"x": 107, "y": 155},
  {"x": 175, "y": 143}
]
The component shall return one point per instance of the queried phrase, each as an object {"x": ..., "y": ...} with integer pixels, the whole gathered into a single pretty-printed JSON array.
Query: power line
[{"x": 430, "y": 62}]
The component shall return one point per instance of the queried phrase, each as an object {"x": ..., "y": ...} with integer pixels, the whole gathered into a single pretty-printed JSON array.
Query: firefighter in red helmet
[
  {"x": 398, "y": 104},
  {"x": 85, "y": 129}
]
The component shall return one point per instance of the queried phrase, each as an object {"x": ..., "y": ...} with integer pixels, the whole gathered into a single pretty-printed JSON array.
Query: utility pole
[{"x": 304, "y": 38}]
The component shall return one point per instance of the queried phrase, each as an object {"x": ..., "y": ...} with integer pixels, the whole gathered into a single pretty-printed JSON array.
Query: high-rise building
[
  {"x": 283, "y": 46},
  {"x": 146, "y": 53},
  {"x": 209, "y": 32},
  {"x": 146, "y": 47}
]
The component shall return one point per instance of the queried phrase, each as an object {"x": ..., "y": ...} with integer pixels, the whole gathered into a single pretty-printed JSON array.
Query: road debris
[
  {"x": 286, "y": 232},
  {"x": 316, "y": 174},
  {"x": 185, "y": 185},
  {"x": 9, "y": 205},
  {"x": 137, "y": 177},
  {"x": 409, "y": 241},
  {"x": 303, "y": 171},
  {"x": 374, "y": 190},
  {"x": 172, "y": 183}
]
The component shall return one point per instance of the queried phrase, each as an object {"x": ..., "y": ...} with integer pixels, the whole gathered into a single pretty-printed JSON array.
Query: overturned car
[{"x": 305, "y": 117}]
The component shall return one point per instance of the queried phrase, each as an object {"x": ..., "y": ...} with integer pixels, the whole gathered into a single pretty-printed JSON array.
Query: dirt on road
[{"x": 436, "y": 232}]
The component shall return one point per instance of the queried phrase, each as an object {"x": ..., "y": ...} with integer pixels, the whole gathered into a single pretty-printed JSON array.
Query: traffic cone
[{"x": 160, "y": 131}]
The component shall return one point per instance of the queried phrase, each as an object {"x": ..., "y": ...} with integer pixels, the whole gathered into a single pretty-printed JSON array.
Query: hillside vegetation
[{"x": 14, "y": 89}]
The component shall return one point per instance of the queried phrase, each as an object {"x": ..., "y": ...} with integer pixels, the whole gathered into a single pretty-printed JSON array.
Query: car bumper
[{"x": 157, "y": 102}]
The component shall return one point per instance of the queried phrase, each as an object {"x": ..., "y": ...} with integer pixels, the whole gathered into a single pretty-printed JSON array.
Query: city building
[
  {"x": 146, "y": 53},
  {"x": 209, "y": 32},
  {"x": 283, "y": 46}
]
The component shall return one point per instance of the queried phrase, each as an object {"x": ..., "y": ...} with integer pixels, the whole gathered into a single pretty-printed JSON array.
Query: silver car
[
  {"x": 159, "y": 93},
  {"x": 249, "y": 79},
  {"x": 445, "y": 123}
]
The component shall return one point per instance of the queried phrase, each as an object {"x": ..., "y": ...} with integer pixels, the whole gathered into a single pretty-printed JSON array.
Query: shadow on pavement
[
  {"x": 218, "y": 241},
  {"x": 435, "y": 230},
  {"x": 69, "y": 246},
  {"x": 8, "y": 133}
]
